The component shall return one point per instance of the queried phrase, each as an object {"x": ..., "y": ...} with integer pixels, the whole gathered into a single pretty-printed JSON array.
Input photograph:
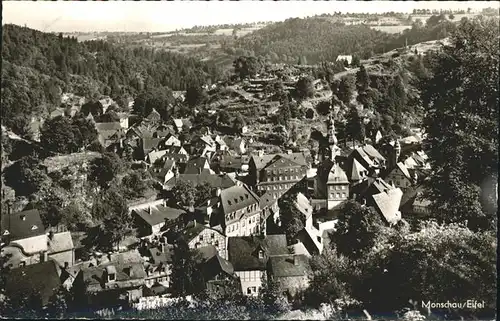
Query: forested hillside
[
  {"x": 319, "y": 39},
  {"x": 38, "y": 67}
]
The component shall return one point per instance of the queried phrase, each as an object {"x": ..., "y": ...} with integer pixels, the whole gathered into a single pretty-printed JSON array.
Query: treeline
[
  {"x": 52, "y": 64},
  {"x": 318, "y": 39},
  {"x": 315, "y": 38}
]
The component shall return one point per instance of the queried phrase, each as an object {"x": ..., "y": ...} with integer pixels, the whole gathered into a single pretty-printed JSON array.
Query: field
[
  {"x": 390, "y": 29},
  {"x": 456, "y": 18}
]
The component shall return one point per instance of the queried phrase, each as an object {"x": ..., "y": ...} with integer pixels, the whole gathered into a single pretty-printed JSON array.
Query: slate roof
[
  {"x": 158, "y": 214},
  {"x": 299, "y": 248},
  {"x": 111, "y": 126},
  {"x": 94, "y": 277},
  {"x": 158, "y": 257},
  {"x": 153, "y": 115},
  {"x": 283, "y": 266},
  {"x": 303, "y": 205},
  {"x": 262, "y": 161},
  {"x": 150, "y": 143},
  {"x": 267, "y": 200},
  {"x": 404, "y": 170},
  {"x": 243, "y": 250},
  {"x": 155, "y": 155},
  {"x": 388, "y": 203},
  {"x": 195, "y": 165},
  {"x": 237, "y": 197},
  {"x": 41, "y": 280},
  {"x": 60, "y": 242},
  {"x": 356, "y": 171},
  {"x": 279, "y": 161},
  {"x": 18, "y": 229}
]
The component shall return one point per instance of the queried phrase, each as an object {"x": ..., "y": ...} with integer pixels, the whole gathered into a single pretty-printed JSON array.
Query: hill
[
  {"x": 323, "y": 39},
  {"x": 38, "y": 67}
]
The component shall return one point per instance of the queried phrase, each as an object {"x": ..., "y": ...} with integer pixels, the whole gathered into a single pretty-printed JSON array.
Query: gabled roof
[
  {"x": 41, "y": 280},
  {"x": 267, "y": 200},
  {"x": 356, "y": 171},
  {"x": 237, "y": 197},
  {"x": 111, "y": 126},
  {"x": 22, "y": 225},
  {"x": 404, "y": 170},
  {"x": 337, "y": 175},
  {"x": 60, "y": 242},
  {"x": 298, "y": 249},
  {"x": 372, "y": 152},
  {"x": 153, "y": 115},
  {"x": 283, "y": 266},
  {"x": 127, "y": 275},
  {"x": 387, "y": 203},
  {"x": 159, "y": 257},
  {"x": 243, "y": 251},
  {"x": 262, "y": 161},
  {"x": 149, "y": 143},
  {"x": 303, "y": 205},
  {"x": 279, "y": 161},
  {"x": 155, "y": 155},
  {"x": 196, "y": 165},
  {"x": 175, "y": 150},
  {"x": 158, "y": 214}
]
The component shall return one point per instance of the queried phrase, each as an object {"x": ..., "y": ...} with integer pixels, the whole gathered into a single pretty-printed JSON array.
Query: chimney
[
  {"x": 150, "y": 210},
  {"x": 261, "y": 153},
  {"x": 23, "y": 217},
  {"x": 51, "y": 235},
  {"x": 295, "y": 260}
]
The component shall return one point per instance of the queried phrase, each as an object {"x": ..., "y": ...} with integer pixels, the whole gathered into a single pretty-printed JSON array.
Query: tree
[
  {"x": 245, "y": 67},
  {"x": 451, "y": 16},
  {"x": 285, "y": 115},
  {"x": 238, "y": 123},
  {"x": 223, "y": 118},
  {"x": 362, "y": 79},
  {"x": 117, "y": 222},
  {"x": 184, "y": 192},
  {"x": 196, "y": 95},
  {"x": 57, "y": 135},
  {"x": 134, "y": 185},
  {"x": 159, "y": 98},
  {"x": 304, "y": 88},
  {"x": 94, "y": 106},
  {"x": 104, "y": 169},
  {"x": 292, "y": 220},
  {"x": 58, "y": 305},
  {"x": 346, "y": 89},
  {"x": 186, "y": 277},
  {"x": 462, "y": 103},
  {"x": 355, "y": 61},
  {"x": 83, "y": 130},
  {"x": 27, "y": 176},
  {"x": 355, "y": 128},
  {"x": 357, "y": 230}
]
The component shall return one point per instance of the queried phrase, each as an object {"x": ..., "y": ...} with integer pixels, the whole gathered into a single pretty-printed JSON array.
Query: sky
[{"x": 142, "y": 16}]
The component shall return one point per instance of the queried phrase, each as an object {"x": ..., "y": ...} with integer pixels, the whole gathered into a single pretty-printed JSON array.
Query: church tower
[
  {"x": 330, "y": 150},
  {"x": 333, "y": 149}
]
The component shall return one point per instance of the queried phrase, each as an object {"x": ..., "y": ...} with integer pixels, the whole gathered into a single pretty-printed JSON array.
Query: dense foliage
[
  {"x": 462, "y": 104},
  {"x": 323, "y": 39},
  {"x": 33, "y": 61}
]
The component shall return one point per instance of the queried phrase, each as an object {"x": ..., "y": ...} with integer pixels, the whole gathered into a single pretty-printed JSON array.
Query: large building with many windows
[{"x": 276, "y": 174}]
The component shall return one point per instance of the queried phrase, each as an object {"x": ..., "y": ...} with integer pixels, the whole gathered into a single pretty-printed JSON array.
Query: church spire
[{"x": 332, "y": 138}]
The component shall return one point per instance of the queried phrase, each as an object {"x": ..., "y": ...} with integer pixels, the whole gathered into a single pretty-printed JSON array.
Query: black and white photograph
[{"x": 249, "y": 160}]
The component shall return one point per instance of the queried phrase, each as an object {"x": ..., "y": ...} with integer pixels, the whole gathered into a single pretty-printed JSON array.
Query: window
[
  {"x": 217, "y": 243},
  {"x": 201, "y": 237},
  {"x": 338, "y": 195},
  {"x": 343, "y": 194},
  {"x": 261, "y": 254},
  {"x": 249, "y": 290},
  {"x": 212, "y": 235},
  {"x": 111, "y": 277},
  {"x": 343, "y": 187},
  {"x": 22, "y": 264}
]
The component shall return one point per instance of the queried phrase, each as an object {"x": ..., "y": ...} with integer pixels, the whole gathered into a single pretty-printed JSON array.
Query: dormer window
[
  {"x": 111, "y": 273},
  {"x": 34, "y": 227},
  {"x": 261, "y": 254}
]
